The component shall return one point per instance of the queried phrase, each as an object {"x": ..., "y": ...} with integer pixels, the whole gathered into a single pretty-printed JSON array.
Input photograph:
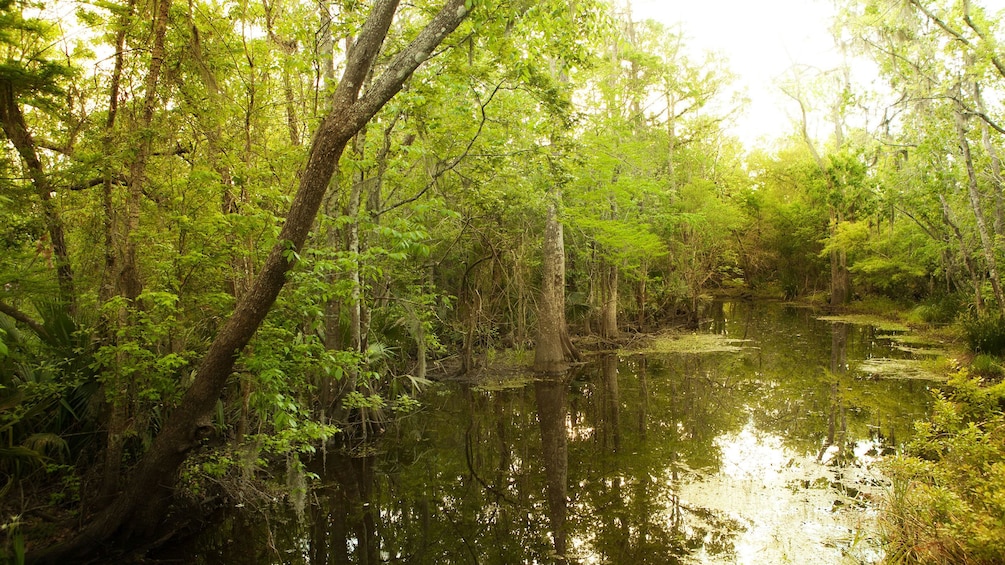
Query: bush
[
  {"x": 987, "y": 367},
  {"x": 942, "y": 309},
  {"x": 984, "y": 333},
  {"x": 947, "y": 503}
]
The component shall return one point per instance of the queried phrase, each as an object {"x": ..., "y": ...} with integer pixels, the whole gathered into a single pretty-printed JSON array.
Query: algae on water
[
  {"x": 691, "y": 343},
  {"x": 880, "y": 324},
  {"x": 887, "y": 368}
]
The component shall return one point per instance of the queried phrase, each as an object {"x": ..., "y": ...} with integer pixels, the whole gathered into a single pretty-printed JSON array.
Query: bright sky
[{"x": 761, "y": 41}]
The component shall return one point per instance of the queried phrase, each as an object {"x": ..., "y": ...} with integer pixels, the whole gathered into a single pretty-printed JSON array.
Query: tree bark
[
  {"x": 987, "y": 244},
  {"x": 996, "y": 166},
  {"x": 965, "y": 253},
  {"x": 554, "y": 349},
  {"x": 130, "y": 285},
  {"x": 609, "y": 301},
  {"x": 138, "y": 512},
  {"x": 16, "y": 129}
]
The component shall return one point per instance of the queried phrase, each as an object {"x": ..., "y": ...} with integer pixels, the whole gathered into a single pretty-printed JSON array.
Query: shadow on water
[{"x": 763, "y": 455}]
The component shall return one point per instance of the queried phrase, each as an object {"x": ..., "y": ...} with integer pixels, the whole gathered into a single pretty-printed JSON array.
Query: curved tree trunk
[
  {"x": 16, "y": 130},
  {"x": 138, "y": 512}
]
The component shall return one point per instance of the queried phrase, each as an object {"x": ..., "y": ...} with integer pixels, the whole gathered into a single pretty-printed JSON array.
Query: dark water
[{"x": 763, "y": 455}]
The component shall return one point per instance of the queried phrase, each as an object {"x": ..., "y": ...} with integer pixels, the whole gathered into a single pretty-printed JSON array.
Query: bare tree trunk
[
  {"x": 554, "y": 348},
  {"x": 138, "y": 512},
  {"x": 129, "y": 275},
  {"x": 965, "y": 253},
  {"x": 609, "y": 297},
  {"x": 14, "y": 126},
  {"x": 987, "y": 243},
  {"x": 116, "y": 423},
  {"x": 288, "y": 47},
  {"x": 352, "y": 246},
  {"x": 996, "y": 166}
]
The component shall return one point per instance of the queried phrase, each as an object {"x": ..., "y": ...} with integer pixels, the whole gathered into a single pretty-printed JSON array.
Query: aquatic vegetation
[
  {"x": 882, "y": 324},
  {"x": 887, "y": 368},
  {"x": 692, "y": 343}
]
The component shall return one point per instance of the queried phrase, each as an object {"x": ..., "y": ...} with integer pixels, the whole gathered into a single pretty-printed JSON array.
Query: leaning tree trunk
[
  {"x": 138, "y": 512},
  {"x": 16, "y": 130},
  {"x": 554, "y": 349},
  {"x": 975, "y": 202}
]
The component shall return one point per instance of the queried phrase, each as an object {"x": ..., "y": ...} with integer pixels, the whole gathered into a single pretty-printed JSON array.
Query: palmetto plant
[{"x": 45, "y": 388}]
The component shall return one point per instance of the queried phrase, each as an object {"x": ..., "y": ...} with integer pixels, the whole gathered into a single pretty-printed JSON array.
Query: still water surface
[{"x": 765, "y": 454}]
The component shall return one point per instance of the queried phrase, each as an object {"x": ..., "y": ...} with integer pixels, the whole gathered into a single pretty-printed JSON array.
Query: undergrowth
[{"x": 947, "y": 502}]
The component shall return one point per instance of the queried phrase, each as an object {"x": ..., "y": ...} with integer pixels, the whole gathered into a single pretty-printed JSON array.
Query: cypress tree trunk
[{"x": 554, "y": 349}]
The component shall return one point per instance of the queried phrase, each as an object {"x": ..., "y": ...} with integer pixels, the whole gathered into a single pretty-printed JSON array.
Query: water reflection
[
  {"x": 766, "y": 455},
  {"x": 550, "y": 396}
]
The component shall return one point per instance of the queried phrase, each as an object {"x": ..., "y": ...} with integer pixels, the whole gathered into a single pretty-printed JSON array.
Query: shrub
[
  {"x": 941, "y": 309},
  {"x": 947, "y": 502},
  {"x": 986, "y": 367},
  {"x": 984, "y": 333}
]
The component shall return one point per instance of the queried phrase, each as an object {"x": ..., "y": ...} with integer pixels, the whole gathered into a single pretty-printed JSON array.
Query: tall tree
[
  {"x": 140, "y": 508},
  {"x": 28, "y": 75}
]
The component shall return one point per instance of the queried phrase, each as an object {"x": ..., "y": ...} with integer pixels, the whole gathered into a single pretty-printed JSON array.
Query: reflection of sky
[{"x": 783, "y": 501}]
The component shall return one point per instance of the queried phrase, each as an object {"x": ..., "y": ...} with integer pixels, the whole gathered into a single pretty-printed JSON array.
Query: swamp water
[{"x": 759, "y": 445}]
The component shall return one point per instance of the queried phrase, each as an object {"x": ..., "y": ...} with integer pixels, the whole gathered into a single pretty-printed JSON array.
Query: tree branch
[
  {"x": 409, "y": 59},
  {"x": 362, "y": 54},
  {"x": 36, "y": 327},
  {"x": 995, "y": 60},
  {"x": 454, "y": 162}
]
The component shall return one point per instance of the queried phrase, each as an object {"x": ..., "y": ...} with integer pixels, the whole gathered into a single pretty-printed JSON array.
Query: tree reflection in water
[{"x": 674, "y": 458}]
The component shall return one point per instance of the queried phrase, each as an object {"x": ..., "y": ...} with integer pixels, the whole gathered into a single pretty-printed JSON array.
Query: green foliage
[
  {"x": 984, "y": 333},
  {"x": 947, "y": 503},
  {"x": 13, "y": 548},
  {"x": 45, "y": 389},
  {"x": 987, "y": 368},
  {"x": 940, "y": 308}
]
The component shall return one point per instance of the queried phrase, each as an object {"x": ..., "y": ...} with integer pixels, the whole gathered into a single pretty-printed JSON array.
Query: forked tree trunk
[
  {"x": 138, "y": 512},
  {"x": 120, "y": 392}
]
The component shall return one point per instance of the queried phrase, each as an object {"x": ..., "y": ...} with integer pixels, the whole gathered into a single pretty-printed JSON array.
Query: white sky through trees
[{"x": 761, "y": 41}]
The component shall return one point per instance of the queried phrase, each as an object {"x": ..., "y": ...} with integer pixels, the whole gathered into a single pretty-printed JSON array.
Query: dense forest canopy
[{"x": 233, "y": 231}]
